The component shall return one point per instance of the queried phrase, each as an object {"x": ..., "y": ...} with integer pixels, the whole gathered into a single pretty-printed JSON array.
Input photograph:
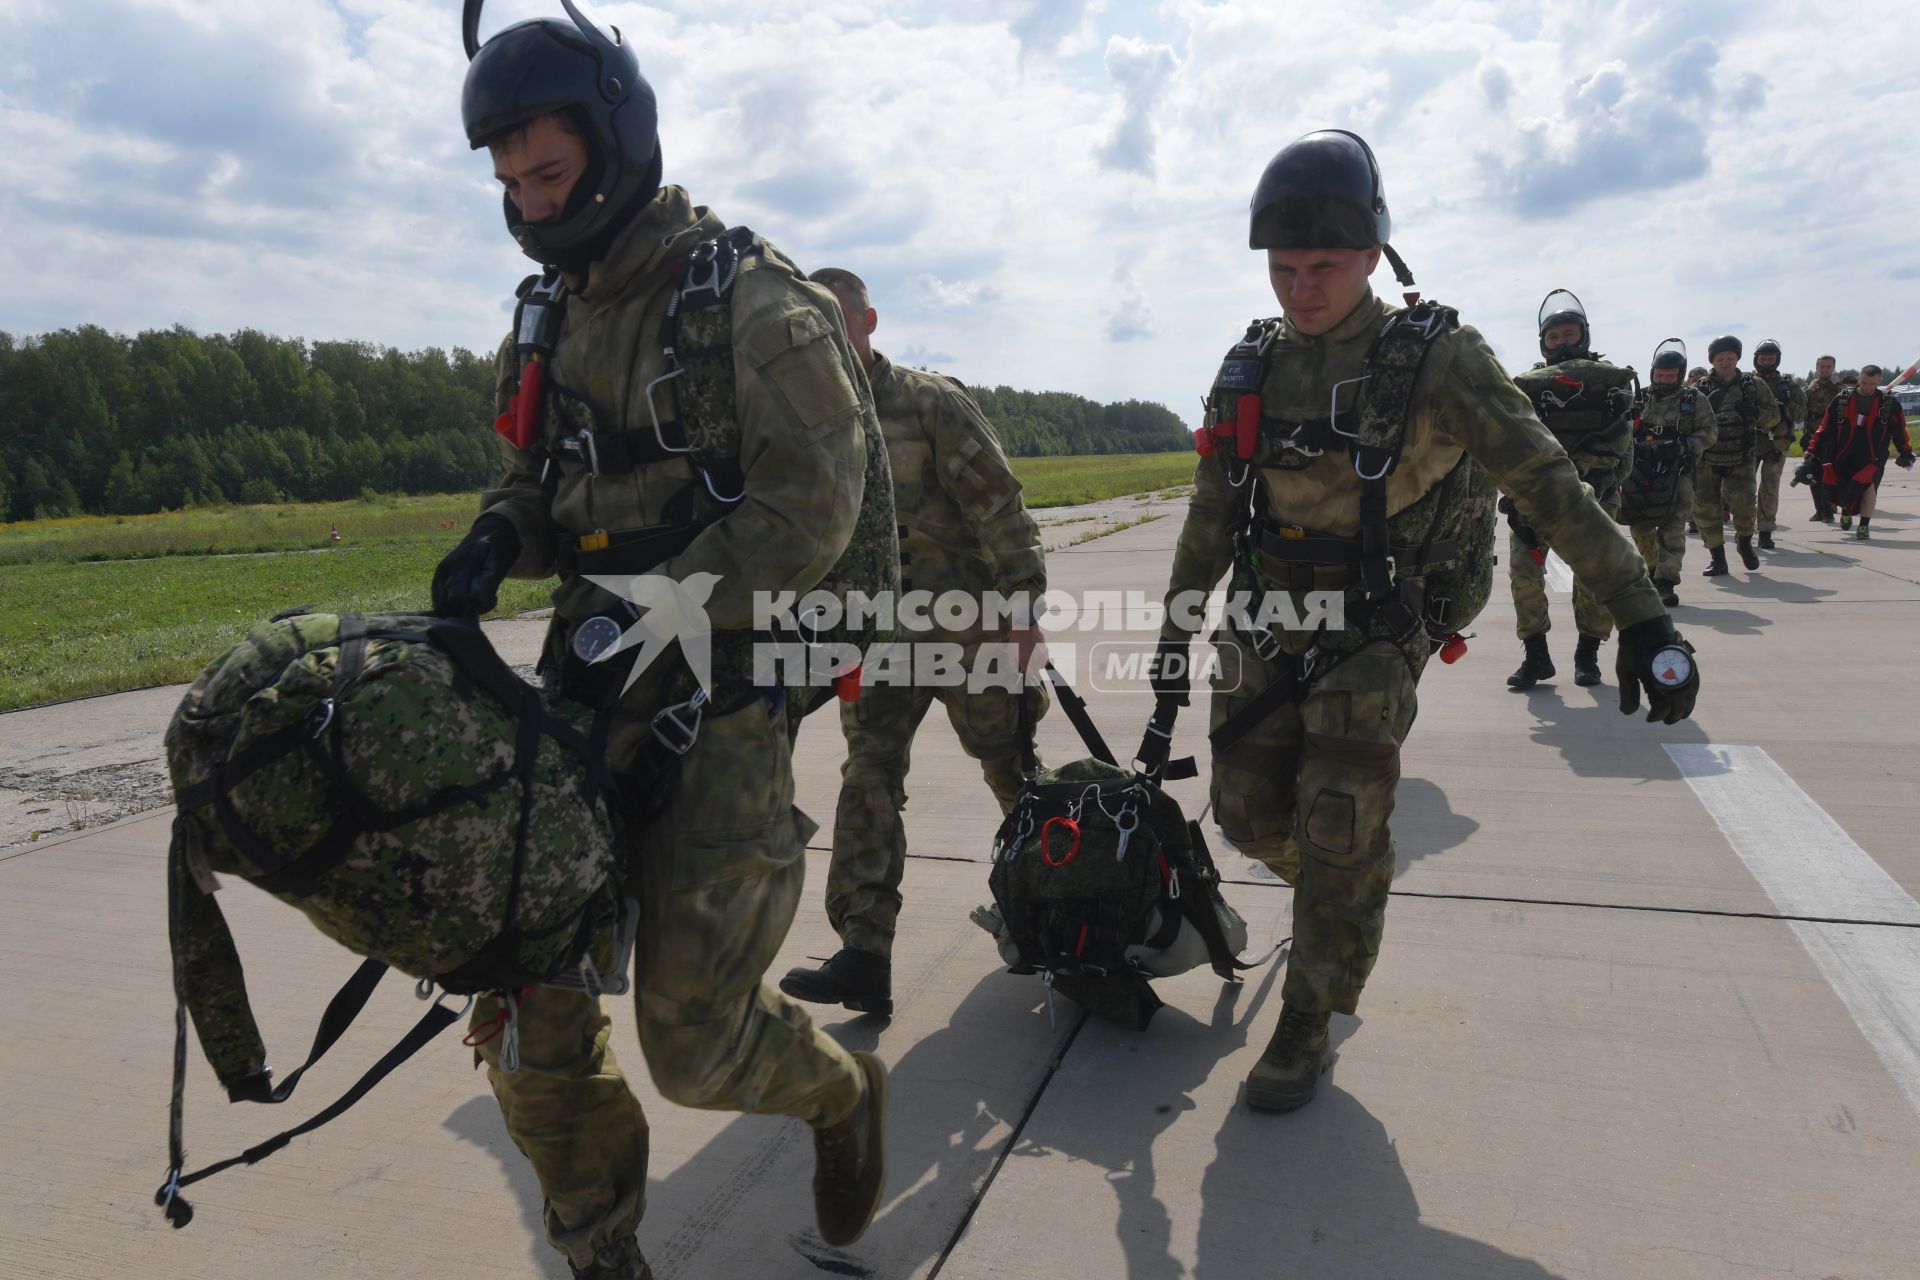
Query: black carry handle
[
  {"x": 1076, "y": 708},
  {"x": 1156, "y": 744}
]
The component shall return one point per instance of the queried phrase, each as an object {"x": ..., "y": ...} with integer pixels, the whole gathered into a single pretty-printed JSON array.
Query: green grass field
[{"x": 102, "y": 603}]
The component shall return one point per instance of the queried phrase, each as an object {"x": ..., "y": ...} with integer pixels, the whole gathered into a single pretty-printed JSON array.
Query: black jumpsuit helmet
[
  {"x": 1563, "y": 307},
  {"x": 1725, "y": 342},
  {"x": 1323, "y": 191},
  {"x": 1671, "y": 354},
  {"x": 585, "y": 70}
]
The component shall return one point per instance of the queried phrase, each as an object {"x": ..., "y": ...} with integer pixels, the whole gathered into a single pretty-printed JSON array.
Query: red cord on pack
[{"x": 1046, "y": 850}]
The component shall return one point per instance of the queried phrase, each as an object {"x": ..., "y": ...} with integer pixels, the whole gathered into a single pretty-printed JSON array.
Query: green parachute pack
[
  {"x": 1095, "y": 861},
  {"x": 390, "y": 777}
]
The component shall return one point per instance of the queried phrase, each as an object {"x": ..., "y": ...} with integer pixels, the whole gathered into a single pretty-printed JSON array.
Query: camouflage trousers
[
  {"x": 1662, "y": 546},
  {"x": 1309, "y": 792},
  {"x": 1528, "y": 580},
  {"x": 719, "y": 875},
  {"x": 1767, "y": 500},
  {"x": 1723, "y": 488},
  {"x": 869, "y": 837}
]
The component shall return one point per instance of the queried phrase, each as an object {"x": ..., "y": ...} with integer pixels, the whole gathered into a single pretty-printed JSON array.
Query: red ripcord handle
[
  {"x": 1243, "y": 430},
  {"x": 846, "y": 685},
  {"x": 1073, "y": 850},
  {"x": 520, "y": 423}
]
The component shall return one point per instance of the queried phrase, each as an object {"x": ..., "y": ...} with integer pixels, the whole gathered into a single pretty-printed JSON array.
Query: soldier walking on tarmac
[
  {"x": 1821, "y": 388},
  {"x": 963, "y": 529},
  {"x": 1344, "y": 432},
  {"x": 1745, "y": 413},
  {"x": 1672, "y": 427},
  {"x": 598, "y": 483},
  {"x": 1585, "y": 402},
  {"x": 1791, "y": 398}
]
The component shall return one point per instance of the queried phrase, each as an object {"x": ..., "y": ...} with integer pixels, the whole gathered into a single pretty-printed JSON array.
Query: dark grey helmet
[
  {"x": 1671, "y": 354},
  {"x": 584, "y": 69},
  {"x": 1725, "y": 342},
  {"x": 1323, "y": 191},
  {"x": 1767, "y": 348},
  {"x": 1563, "y": 307}
]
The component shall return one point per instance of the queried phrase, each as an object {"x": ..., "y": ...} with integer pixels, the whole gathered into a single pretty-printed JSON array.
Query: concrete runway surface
[{"x": 1648, "y": 1006}]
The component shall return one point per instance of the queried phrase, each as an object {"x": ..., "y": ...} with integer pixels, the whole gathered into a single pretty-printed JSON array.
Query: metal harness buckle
[{"x": 675, "y": 734}]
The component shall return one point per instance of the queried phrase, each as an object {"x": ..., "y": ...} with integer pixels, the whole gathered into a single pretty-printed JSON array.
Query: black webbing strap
[
  {"x": 1287, "y": 687},
  {"x": 1156, "y": 744},
  {"x": 636, "y": 551},
  {"x": 1376, "y": 571},
  {"x": 168, "y": 1197},
  {"x": 1076, "y": 710},
  {"x": 1196, "y": 904},
  {"x": 340, "y": 1014},
  {"x": 1274, "y": 544},
  {"x": 618, "y": 452}
]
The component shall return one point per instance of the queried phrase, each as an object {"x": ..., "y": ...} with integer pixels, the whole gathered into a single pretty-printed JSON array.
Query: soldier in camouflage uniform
[
  {"x": 1585, "y": 402},
  {"x": 716, "y": 848},
  {"x": 1309, "y": 790},
  {"x": 1821, "y": 388},
  {"x": 1745, "y": 413},
  {"x": 963, "y": 528},
  {"x": 1791, "y": 398},
  {"x": 1672, "y": 427}
]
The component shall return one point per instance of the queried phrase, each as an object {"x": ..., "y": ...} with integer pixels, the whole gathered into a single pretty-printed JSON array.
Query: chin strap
[{"x": 1400, "y": 273}]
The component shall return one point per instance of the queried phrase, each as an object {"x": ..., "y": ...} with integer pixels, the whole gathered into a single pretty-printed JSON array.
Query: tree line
[{"x": 92, "y": 422}]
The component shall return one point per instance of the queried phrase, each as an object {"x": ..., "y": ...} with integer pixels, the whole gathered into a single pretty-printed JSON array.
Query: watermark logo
[
  {"x": 671, "y": 611},
  {"x": 801, "y": 634}
]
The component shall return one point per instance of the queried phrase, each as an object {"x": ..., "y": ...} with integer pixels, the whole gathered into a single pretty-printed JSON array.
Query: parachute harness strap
[{"x": 700, "y": 308}]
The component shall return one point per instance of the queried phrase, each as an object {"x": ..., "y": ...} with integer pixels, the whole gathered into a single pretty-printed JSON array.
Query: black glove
[
  {"x": 1652, "y": 656},
  {"x": 1169, "y": 677},
  {"x": 1905, "y": 462},
  {"x": 467, "y": 583}
]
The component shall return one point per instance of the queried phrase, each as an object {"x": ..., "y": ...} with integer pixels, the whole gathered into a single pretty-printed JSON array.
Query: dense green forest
[{"x": 95, "y": 423}]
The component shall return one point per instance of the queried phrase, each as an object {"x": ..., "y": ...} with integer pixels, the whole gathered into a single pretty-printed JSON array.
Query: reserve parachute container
[{"x": 390, "y": 777}]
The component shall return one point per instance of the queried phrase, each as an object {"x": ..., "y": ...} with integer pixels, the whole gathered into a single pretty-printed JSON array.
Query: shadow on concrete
[
  {"x": 1115, "y": 1127},
  {"x": 1424, "y": 823},
  {"x": 1320, "y": 1194},
  {"x": 1758, "y": 586},
  {"x": 1785, "y": 559},
  {"x": 1729, "y": 622},
  {"x": 478, "y": 1121},
  {"x": 1585, "y": 726}
]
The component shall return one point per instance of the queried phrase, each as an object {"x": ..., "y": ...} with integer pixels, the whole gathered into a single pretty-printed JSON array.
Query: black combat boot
[
  {"x": 1748, "y": 556},
  {"x": 1289, "y": 1071},
  {"x": 1668, "y": 596},
  {"x": 1586, "y": 662},
  {"x": 1716, "y": 562},
  {"x": 1537, "y": 666},
  {"x": 850, "y": 1161},
  {"x": 860, "y": 980},
  {"x": 1766, "y": 540},
  {"x": 620, "y": 1260}
]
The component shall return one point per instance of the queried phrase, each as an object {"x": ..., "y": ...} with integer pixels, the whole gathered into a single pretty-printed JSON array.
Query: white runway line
[
  {"x": 1559, "y": 573},
  {"x": 1810, "y": 867}
]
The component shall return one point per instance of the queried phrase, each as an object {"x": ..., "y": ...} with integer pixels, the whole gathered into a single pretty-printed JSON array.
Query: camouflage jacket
[
  {"x": 1744, "y": 413},
  {"x": 1585, "y": 401},
  {"x": 1790, "y": 398},
  {"x": 1819, "y": 394},
  {"x": 1674, "y": 412},
  {"x": 800, "y": 393},
  {"x": 1463, "y": 400},
  {"x": 963, "y": 526}
]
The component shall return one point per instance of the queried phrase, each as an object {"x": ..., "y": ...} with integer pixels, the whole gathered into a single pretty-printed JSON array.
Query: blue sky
[{"x": 1047, "y": 194}]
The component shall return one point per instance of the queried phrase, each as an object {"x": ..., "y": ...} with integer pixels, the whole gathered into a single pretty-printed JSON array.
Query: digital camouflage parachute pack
[
  {"x": 393, "y": 779},
  {"x": 1094, "y": 867}
]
